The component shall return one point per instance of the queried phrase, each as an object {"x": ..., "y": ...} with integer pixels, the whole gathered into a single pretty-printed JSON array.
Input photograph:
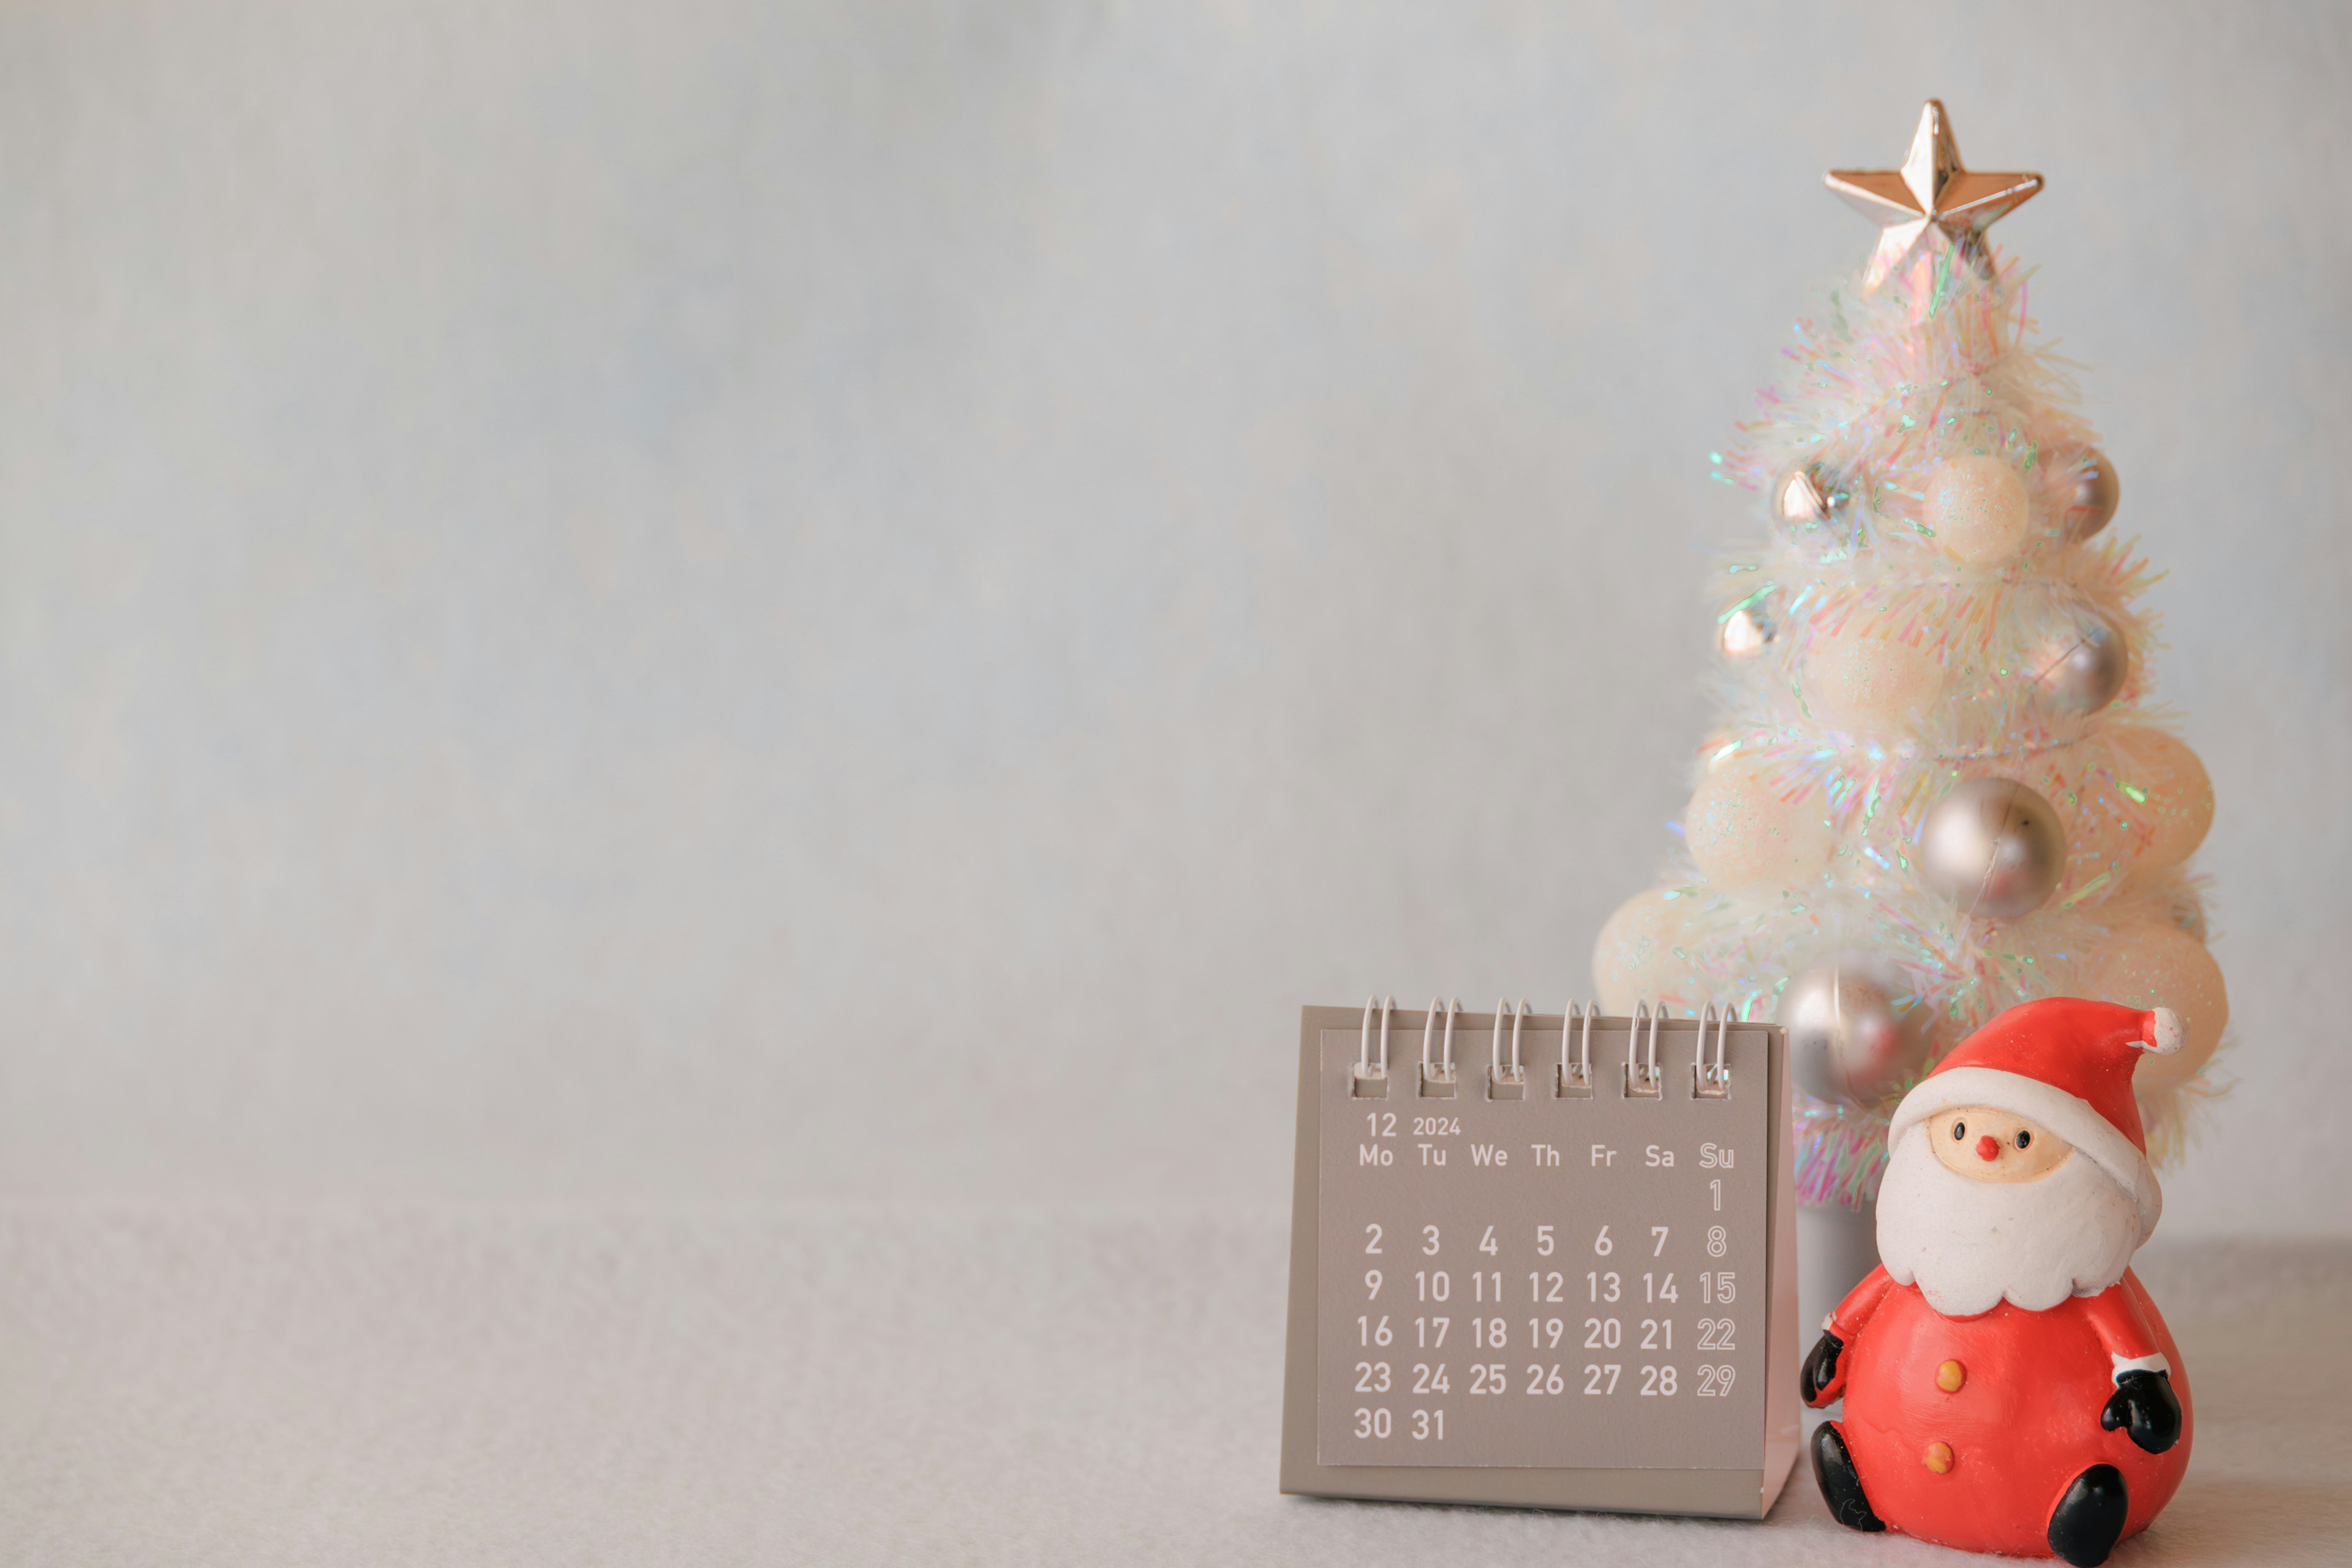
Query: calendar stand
[{"x": 1464, "y": 1182}]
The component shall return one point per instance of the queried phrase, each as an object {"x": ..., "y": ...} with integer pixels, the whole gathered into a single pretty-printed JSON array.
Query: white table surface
[{"x": 256, "y": 1386}]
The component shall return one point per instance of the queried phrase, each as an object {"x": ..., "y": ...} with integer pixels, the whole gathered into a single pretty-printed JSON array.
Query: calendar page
[{"x": 1555, "y": 1280}]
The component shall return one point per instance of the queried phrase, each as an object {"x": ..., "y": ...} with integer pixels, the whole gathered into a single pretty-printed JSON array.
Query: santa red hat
[{"x": 2066, "y": 1064}]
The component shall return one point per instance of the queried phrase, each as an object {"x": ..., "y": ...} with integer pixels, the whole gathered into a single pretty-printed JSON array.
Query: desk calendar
[{"x": 1542, "y": 1259}]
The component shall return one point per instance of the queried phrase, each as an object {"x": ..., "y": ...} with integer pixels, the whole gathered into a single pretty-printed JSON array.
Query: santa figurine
[{"x": 2009, "y": 1386}]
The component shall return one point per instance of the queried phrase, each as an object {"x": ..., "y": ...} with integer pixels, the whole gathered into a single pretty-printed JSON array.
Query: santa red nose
[{"x": 1987, "y": 1147}]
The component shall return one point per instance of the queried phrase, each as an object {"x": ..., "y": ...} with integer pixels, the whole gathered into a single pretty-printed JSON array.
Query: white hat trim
[{"x": 2070, "y": 1116}]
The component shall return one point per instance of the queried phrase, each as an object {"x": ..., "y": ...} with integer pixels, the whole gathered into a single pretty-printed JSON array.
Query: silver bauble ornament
[
  {"x": 2080, "y": 671},
  {"x": 1994, "y": 848},
  {"x": 2095, "y": 494},
  {"x": 1747, "y": 627},
  {"x": 1806, "y": 496},
  {"x": 1852, "y": 1036}
]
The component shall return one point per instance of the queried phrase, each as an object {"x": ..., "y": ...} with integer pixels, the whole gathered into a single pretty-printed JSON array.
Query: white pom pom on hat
[{"x": 2166, "y": 1033}]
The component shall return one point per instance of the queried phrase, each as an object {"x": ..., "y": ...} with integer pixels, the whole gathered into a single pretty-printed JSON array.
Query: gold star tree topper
[{"x": 1931, "y": 199}]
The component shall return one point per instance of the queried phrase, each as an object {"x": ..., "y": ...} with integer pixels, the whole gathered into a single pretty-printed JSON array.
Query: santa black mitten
[
  {"x": 1819, "y": 1383},
  {"x": 2145, "y": 1404}
]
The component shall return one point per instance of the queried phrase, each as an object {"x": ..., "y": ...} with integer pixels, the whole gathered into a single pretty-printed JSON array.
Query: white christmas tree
[{"x": 1937, "y": 787}]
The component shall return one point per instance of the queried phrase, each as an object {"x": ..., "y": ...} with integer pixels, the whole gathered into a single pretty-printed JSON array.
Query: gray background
[{"x": 711, "y": 602}]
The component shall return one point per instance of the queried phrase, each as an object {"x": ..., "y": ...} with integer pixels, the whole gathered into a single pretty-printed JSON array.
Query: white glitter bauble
[
  {"x": 2160, "y": 965},
  {"x": 1862, "y": 679},
  {"x": 1640, "y": 955},
  {"x": 1746, "y": 825},
  {"x": 1978, "y": 509},
  {"x": 2165, "y": 790},
  {"x": 2075, "y": 780}
]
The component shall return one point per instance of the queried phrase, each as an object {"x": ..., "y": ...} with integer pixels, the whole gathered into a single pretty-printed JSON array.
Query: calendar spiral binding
[{"x": 1642, "y": 1078}]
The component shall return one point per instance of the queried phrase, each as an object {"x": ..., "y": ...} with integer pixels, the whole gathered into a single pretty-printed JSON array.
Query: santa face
[
  {"x": 1981, "y": 1206},
  {"x": 1989, "y": 1145}
]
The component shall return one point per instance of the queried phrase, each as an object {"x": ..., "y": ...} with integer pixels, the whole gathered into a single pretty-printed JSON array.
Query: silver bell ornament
[
  {"x": 1994, "y": 848},
  {"x": 2079, "y": 669},
  {"x": 2095, "y": 495},
  {"x": 1853, "y": 1033}
]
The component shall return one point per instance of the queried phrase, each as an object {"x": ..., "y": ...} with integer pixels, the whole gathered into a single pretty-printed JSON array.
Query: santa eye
[
  {"x": 1959, "y": 1130},
  {"x": 2023, "y": 1139}
]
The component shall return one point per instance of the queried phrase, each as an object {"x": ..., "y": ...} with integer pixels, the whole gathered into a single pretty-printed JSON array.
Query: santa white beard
[{"x": 1970, "y": 1245}]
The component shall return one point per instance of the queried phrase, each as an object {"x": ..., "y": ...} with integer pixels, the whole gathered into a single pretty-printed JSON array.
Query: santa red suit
[{"x": 2009, "y": 1386}]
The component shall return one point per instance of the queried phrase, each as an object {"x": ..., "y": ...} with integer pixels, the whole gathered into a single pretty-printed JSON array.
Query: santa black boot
[
  {"x": 1840, "y": 1484},
  {"x": 2089, "y": 1518}
]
